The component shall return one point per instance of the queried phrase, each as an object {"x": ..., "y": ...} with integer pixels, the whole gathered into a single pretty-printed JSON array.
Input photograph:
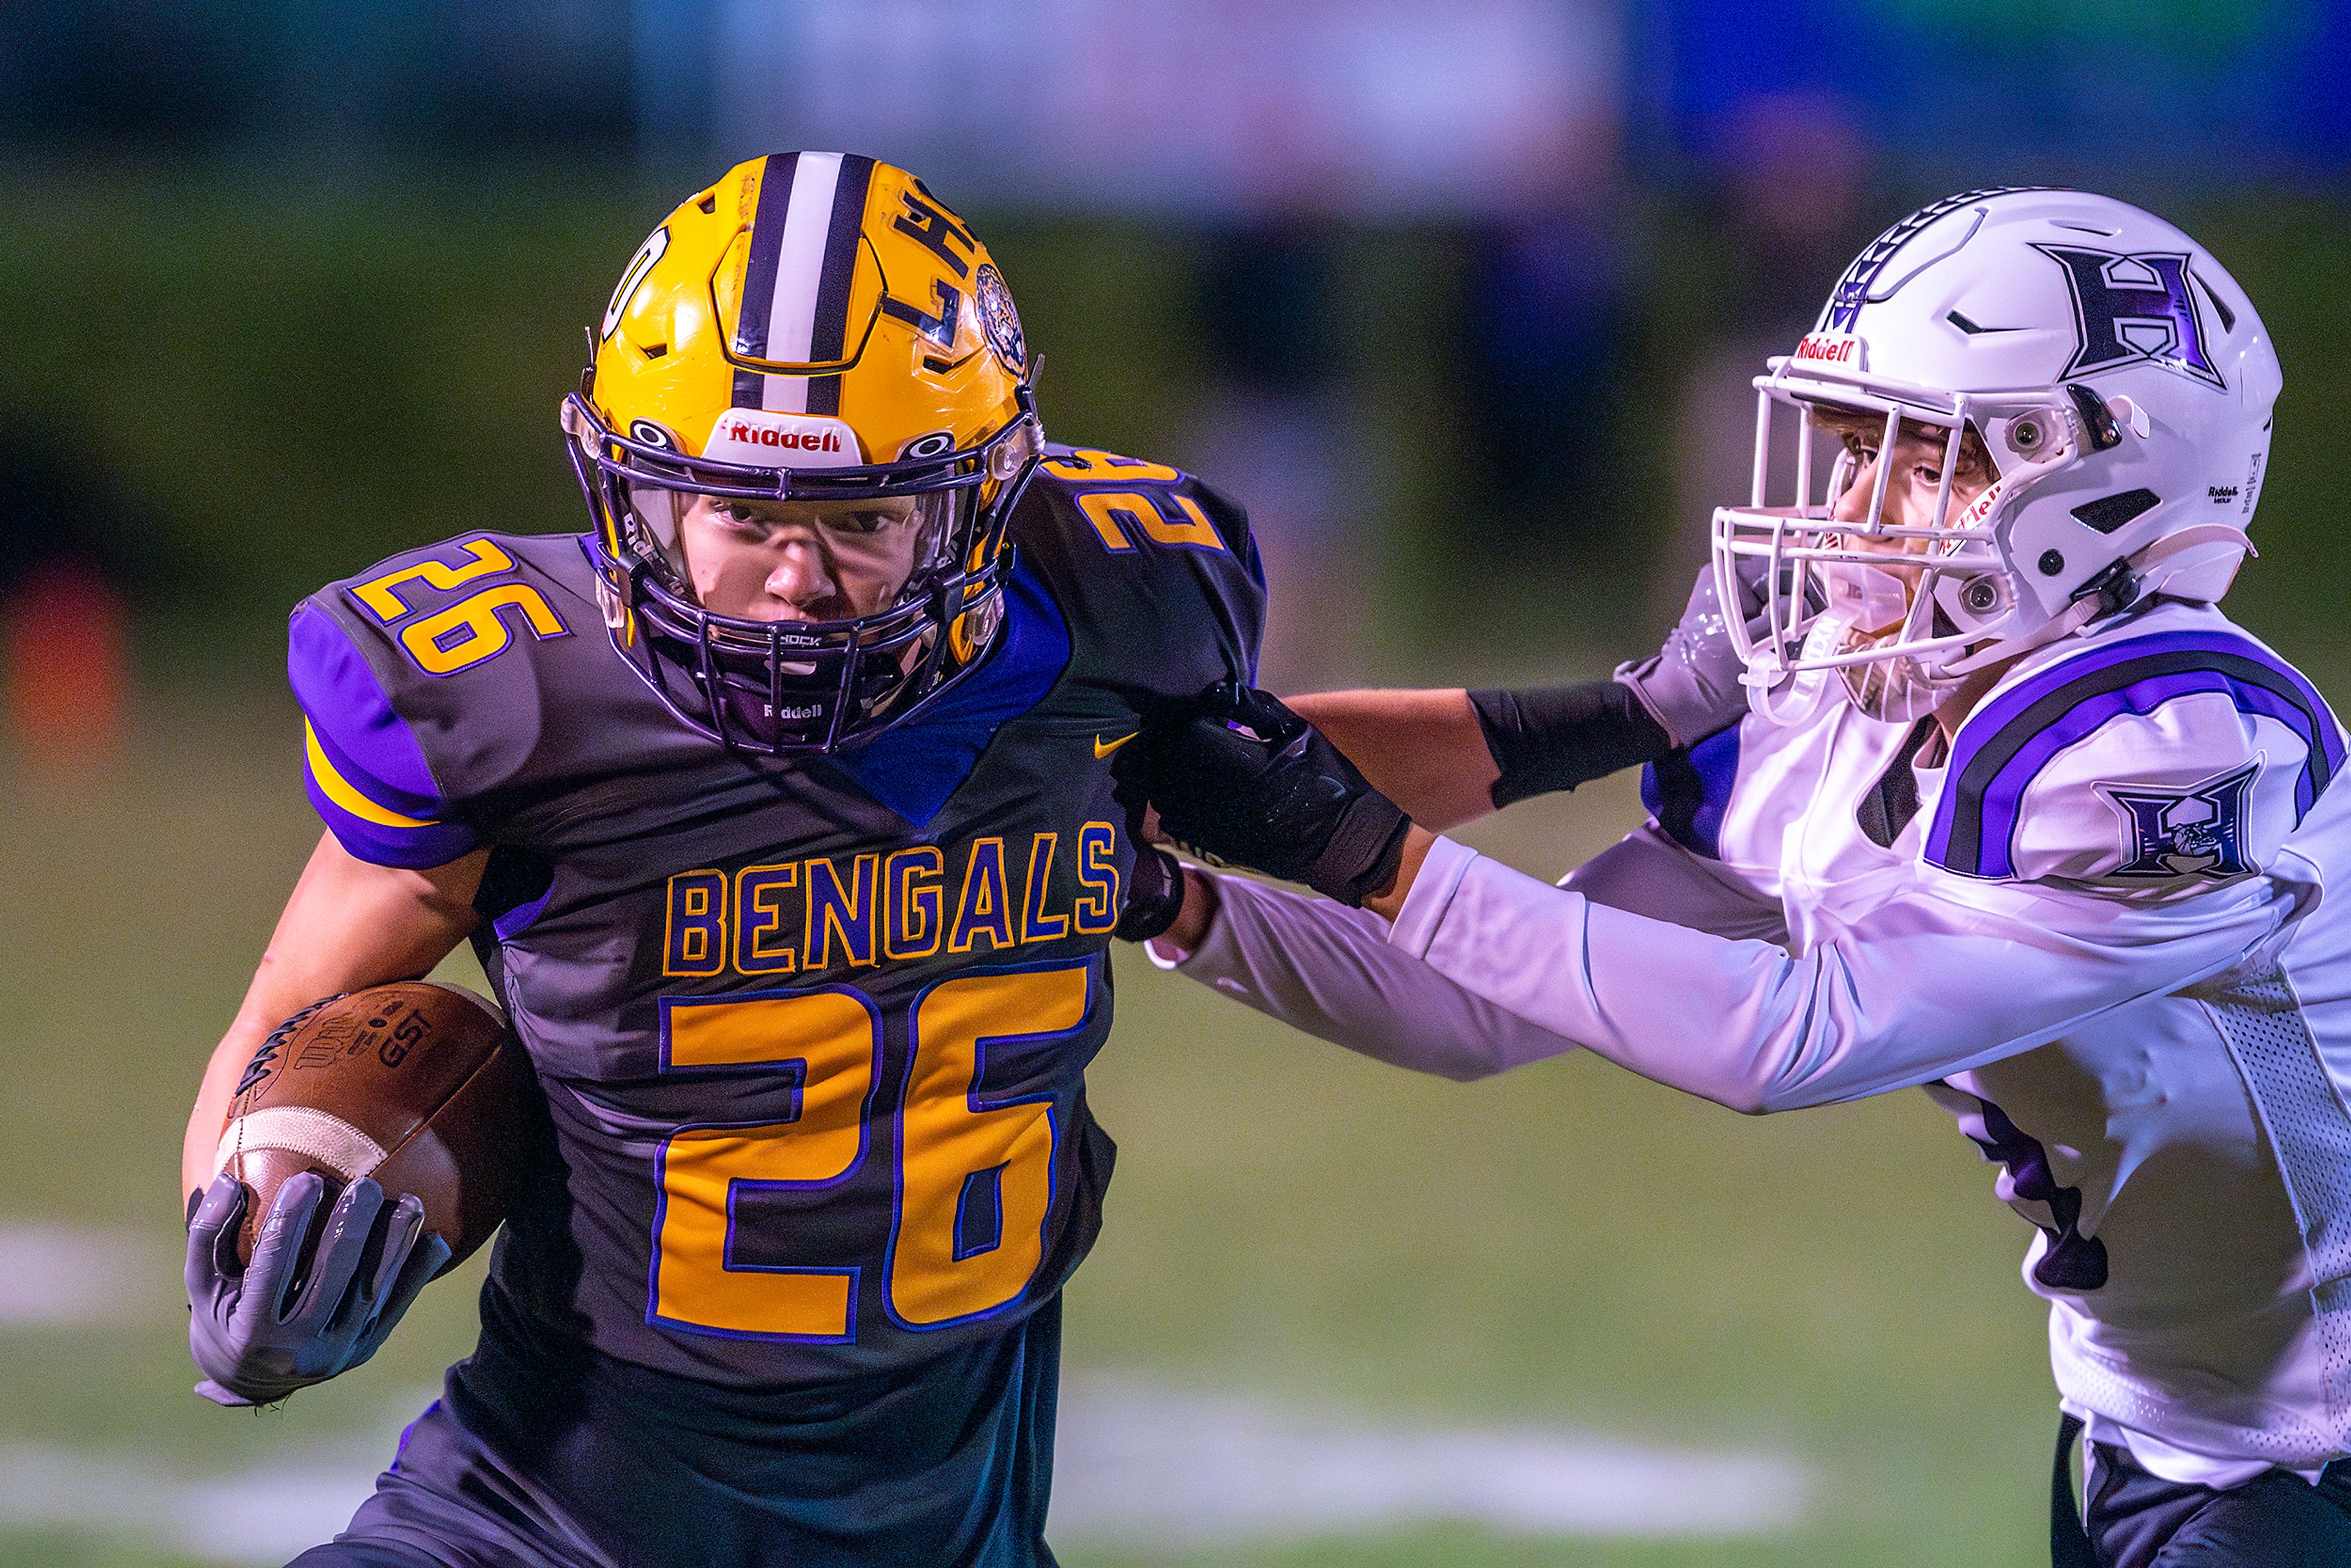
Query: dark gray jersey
[{"x": 812, "y": 1034}]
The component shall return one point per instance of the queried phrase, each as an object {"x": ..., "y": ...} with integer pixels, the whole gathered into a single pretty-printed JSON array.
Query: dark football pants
[
  {"x": 2138, "y": 1520},
  {"x": 528, "y": 1461}
]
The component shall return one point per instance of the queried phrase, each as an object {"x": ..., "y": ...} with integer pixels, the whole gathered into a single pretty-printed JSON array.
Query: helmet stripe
[
  {"x": 779, "y": 282},
  {"x": 759, "y": 271},
  {"x": 828, "y": 323},
  {"x": 799, "y": 257},
  {"x": 1855, "y": 289}
]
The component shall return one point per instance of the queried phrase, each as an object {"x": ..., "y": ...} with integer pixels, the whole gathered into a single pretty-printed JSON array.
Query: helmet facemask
[
  {"x": 786, "y": 687},
  {"x": 1900, "y": 609}
]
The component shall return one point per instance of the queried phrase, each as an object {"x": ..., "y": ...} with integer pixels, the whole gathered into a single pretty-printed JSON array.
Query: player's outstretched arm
[
  {"x": 1940, "y": 978},
  {"x": 1893, "y": 1002},
  {"x": 1331, "y": 972},
  {"x": 1423, "y": 749},
  {"x": 1448, "y": 756}
]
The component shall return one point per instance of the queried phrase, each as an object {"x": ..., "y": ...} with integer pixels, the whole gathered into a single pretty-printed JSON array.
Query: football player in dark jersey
[{"x": 778, "y": 809}]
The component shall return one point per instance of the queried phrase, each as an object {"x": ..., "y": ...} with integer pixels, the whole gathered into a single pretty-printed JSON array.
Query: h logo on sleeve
[
  {"x": 2187, "y": 832},
  {"x": 2133, "y": 307}
]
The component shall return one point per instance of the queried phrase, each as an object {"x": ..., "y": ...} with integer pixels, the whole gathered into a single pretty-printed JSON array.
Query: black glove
[
  {"x": 1239, "y": 776},
  {"x": 1155, "y": 888},
  {"x": 256, "y": 1335}
]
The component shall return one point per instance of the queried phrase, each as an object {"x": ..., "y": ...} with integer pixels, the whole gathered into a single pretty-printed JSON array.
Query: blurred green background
[{"x": 284, "y": 290}]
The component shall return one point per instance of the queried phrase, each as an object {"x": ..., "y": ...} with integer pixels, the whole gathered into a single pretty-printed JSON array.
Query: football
[{"x": 418, "y": 1085}]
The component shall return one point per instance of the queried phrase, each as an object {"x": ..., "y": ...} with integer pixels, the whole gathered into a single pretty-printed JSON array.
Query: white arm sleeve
[
  {"x": 1648, "y": 873},
  {"x": 1328, "y": 970},
  {"x": 1927, "y": 984}
]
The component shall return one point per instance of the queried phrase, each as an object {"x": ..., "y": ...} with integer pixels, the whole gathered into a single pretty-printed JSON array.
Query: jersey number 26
[{"x": 960, "y": 1157}]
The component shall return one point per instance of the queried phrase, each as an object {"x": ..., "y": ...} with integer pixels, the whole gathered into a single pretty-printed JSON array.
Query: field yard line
[
  {"x": 63, "y": 1275},
  {"x": 1138, "y": 1463},
  {"x": 255, "y": 1516}
]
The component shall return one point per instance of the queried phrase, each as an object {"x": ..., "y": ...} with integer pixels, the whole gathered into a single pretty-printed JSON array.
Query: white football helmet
[{"x": 2121, "y": 382}]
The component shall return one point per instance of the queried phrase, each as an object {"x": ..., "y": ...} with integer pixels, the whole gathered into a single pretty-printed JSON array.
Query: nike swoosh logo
[{"x": 1104, "y": 748}]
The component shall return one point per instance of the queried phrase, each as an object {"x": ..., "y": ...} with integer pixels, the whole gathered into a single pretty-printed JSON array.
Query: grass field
[{"x": 1566, "y": 1250}]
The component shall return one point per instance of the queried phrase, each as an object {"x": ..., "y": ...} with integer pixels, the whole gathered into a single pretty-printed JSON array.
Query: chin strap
[
  {"x": 2076, "y": 616},
  {"x": 2196, "y": 563}
]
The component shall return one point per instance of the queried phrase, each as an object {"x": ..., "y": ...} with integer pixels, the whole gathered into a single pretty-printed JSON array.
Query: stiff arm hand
[
  {"x": 1237, "y": 774},
  {"x": 1691, "y": 684}
]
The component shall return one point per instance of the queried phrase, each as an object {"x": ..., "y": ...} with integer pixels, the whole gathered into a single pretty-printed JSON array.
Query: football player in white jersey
[{"x": 2019, "y": 817}]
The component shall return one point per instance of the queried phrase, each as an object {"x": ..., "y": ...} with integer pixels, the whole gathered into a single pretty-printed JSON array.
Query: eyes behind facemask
[
  {"x": 858, "y": 534},
  {"x": 844, "y": 521}
]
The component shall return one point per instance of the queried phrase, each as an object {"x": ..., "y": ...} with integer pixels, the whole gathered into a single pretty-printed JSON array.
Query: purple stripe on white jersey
[
  {"x": 2001, "y": 750},
  {"x": 2002, "y": 798}
]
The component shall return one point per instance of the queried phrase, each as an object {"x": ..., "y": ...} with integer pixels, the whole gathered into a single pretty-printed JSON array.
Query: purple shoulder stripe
[
  {"x": 363, "y": 769},
  {"x": 2001, "y": 749},
  {"x": 366, "y": 740},
  {"x": 411, "y": 848}
]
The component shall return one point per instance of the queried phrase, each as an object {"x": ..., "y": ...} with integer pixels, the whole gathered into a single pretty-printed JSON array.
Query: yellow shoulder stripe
[{"x": 338, "y": 789}]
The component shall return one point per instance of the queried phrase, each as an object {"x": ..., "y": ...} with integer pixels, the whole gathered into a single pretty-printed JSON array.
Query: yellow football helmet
[{"x": 814, "y": 327}]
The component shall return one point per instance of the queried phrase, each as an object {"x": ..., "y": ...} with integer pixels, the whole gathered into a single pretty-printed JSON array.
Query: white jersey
[{"x": 2091, "y": 928}]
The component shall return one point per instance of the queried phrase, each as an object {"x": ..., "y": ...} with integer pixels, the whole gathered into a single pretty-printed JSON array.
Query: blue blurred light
[{"x": 2200, "y": 88}]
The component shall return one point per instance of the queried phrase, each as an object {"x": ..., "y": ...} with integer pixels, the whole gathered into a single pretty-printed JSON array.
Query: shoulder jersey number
[
  {"x": 1090, "y": 465},
  {"x": 1107, "y": 510},
  {"x": 463, "y": 634},
  {"x": 973, "y": 1174},
  {"x": 1163, "y": 516}
]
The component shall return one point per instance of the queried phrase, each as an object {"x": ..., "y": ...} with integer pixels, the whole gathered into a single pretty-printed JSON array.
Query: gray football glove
[
  {"x": 1690, "y": 686},
  {"x": 258, "y": 1333}
]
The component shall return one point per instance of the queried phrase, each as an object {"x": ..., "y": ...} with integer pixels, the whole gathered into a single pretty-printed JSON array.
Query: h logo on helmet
[
  {"x": 930, "y": 223},
  {"x": 2133, "y": 307},
  {"x": 2194, "y": 832}
]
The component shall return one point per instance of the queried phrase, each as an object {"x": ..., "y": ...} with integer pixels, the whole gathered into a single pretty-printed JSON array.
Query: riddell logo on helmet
[
  {"x": 1830, "y": 348},
  {"x": 764, "y": 438},
  {"x": 1980, "y": 508},
  {"x": 806, "y": 440}
]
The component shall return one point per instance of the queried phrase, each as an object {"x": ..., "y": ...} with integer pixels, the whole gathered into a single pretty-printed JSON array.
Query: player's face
[
  {"x": 1915, "y": 481},
  {"x": 1913, "y": 485},
  {"x": 799, "y": 560}
]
